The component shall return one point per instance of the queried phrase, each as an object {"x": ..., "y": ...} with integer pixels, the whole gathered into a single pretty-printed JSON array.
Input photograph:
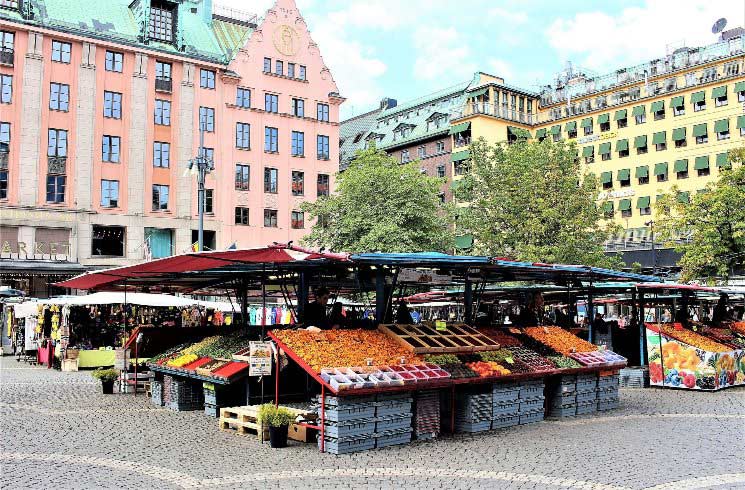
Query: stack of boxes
[
  {"x": 393, "y": 420},
  {"x": 634, "y": 378},
  {"x": 586, "y": 394},
  {"x": 564, "y": 397},
  {"x": 505, "y": 405},
  {"x": 427, "y": 414},
  {"x": 156, "y": 393},
  {"x": 211, "y": 407},
  {"x": 349, "y": 424},
  {"x": 607, "y": 394},
  {"x": 184, "y": 396},
  {"x": 473, "y": 410},
  {"x": 531, "y": 400}
]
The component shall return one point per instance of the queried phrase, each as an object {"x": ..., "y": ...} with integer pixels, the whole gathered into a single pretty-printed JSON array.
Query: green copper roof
[{"x": 120, "y": 20}]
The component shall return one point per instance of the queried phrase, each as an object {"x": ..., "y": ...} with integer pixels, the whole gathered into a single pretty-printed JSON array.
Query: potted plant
[
  {"x": 278, "y": 419},
  {"x": 107, "y": 377}
]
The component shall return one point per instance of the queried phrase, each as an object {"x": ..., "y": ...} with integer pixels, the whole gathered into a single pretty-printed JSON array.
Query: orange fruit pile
[
  {"x": 560, "y": 340},
  {"x": 487, "y": 368},
  {"x": 692, "y": 338}
]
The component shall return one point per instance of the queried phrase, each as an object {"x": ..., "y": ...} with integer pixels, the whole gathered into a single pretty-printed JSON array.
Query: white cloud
[
  {"x": 605, "y": 42},
  {"x": 441, "y": 51},
  {"x": 500, "y": 68},
  {"x": 509, "y": 17}
]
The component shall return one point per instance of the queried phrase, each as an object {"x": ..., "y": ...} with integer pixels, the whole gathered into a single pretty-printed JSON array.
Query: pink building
[{"x": 99, "y": 117}]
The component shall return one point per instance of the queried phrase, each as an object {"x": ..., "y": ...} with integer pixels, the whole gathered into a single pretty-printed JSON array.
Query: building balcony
[
  {"x": 56, "y": 164},
  {"x": 164, "y": 85},
  {"x": 460, "y": 142},
  {"x": 7, "y": 56},
  {"x": 494, "y": 110}
]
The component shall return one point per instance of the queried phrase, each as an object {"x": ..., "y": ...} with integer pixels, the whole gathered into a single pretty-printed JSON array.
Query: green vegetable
[{"x": 442, "y": 359}]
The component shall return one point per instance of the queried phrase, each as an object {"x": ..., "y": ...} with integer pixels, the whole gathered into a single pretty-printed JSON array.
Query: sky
[{"x": 405, "y": 49}]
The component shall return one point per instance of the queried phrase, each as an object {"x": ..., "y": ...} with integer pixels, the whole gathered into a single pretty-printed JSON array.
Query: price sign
[
  {"x": 260, "y": 358},
  {"x": 441, "y": 325}
]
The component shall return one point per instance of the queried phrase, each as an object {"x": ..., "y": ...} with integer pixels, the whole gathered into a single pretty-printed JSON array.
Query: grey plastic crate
[
  {"x": 383, "y": 409},
  {"x": 531, "y": 418},
  {"x": 387, "y": 397},
  {"x": 562, "y": 389},
  {"x": 586, "y": 386},
  {"x": 503, "y": 410},
  {"x": 350, "y": 429},
  {"x": 505, "y": 421},
  {"x": 568, "y": 379},
  {"x": 335, "y": 446},
  {"x": 471, "y": 427},
  {"x": 563, "y": 399},
  {"x": 507, "y": 396},
  {"x": 561, "y": 412},
  {"x": 426, "y": 436},
  {"x": 608, "y": 381},
  {"x": 588, "y": 396},
  {"x": 609, "y": 404},
  {"x": 506, "y": 386},
  {"x": 587, "y": 408},
  {"x": 389, "y": 423},
  {"x": 355, "y": 412},
  {"x": 611, "y": 391},
  {"x": 392, "y": 438},
  {"x": 531, "y": 405},
  {"x": 212, "y": 410}
]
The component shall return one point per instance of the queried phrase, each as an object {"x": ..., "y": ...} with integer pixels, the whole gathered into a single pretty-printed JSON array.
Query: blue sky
[{"x": 407, "y": 48}]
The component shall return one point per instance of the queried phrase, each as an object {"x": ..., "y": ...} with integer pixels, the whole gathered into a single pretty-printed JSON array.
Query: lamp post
[
  {"x": 204, "y": 165},
  {"x": 650, "y": 224}
]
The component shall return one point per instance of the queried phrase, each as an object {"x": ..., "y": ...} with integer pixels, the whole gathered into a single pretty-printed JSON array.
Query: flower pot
[
  {"x": 278, "y": 436},
  {"x": 107, "y": 387}
]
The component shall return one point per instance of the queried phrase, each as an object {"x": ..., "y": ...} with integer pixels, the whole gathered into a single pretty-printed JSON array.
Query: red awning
[{"x": 196, "y": 262}]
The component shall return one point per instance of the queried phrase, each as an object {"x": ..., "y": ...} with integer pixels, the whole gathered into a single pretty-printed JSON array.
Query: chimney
[
  {"x": 207, "y": 11},
  {"x": 388, "y": 103}
]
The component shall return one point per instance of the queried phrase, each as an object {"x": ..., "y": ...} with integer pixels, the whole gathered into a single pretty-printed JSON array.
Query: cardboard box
[
  {"x": 69, "y": 365},
  {"x": 301, "y": 433}
]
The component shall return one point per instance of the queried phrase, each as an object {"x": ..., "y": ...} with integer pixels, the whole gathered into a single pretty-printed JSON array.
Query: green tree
[
  {"x": 528, "y": 202},
  {"x": 381, "y": 205},
  {"x": 713, "y": 221}
]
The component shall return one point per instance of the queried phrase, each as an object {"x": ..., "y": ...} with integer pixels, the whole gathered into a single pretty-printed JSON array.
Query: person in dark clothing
[
  {"x": 336, "y": 317},
  {"x": 720, "y": 310},
  {"x": 403, "y": 315},
  {"x": 314, "y": 314},
  {"x": 531, "y": 315}
]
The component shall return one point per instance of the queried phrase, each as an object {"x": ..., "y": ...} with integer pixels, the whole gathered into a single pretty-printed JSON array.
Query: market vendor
[
  {"x": 403, "y": 315},
  {"x": 531, "y": 314},
  {"x": 720, "y": 310},
  {"x": 337, "y": 318},
  {"x": 314, "y": 314}
]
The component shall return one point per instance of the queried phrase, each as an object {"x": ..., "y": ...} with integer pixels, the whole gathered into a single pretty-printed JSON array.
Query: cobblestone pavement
[{"x": 58, "y": 431}]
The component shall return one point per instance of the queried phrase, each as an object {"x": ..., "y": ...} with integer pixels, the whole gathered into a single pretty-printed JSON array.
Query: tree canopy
[
  {"x": 529, "y": 201},
  {"x": 381, "y": 205},
  {"x": 713, "y": 223}
]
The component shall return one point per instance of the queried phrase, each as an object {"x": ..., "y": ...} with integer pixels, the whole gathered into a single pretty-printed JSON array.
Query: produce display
[
  {"x": 334, "y": 348},
  {"x": 560, "y": 340},
  {"x": 501, "y": 355},
  {"x": 503, "y": 338},
  {"x": 352, "y": 378},
  {"x": 563, "y": 362},
  {"x": 738, "y": 327},
  {"x": 182, "y": 360},
  {"x": 488, "y": 368},
  {"x": 691, "y": 338},
  {"x": 531, "y": 359}
]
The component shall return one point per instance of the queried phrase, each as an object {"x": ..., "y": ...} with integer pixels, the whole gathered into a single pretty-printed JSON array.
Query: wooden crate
[
  {"x": 243, "y": 421},
  {"x": 423, "y": 339}
]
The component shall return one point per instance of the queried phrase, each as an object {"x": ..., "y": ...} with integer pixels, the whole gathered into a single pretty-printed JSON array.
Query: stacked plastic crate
[
  {"x": 531, "y": 401},
  {"x": 185, "y": 396},
  {"x": 505, "y": 405},
  {"x": 473, "y": 410},
  {"x": 349, "y": 424},
  {"x": 563, "y": 397},
  {"x": 156, "y": 393},
  {"x": 634, "y": 378},
  {"x": 586, "y": 393},
  {"x": 393, "y": 419},
  {"x": 211, "y": 405},
  {"x": 607, "y": 394},
  {"x": 427, "y": 414},
  {"x": 166, "y": 390}
]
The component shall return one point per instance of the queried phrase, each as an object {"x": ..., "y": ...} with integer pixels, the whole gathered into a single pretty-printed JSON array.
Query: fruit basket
[
  {"x": 560, "y": 340},
  {"x": 531, "y": 359},
  {"x": 589, "y": 359}
]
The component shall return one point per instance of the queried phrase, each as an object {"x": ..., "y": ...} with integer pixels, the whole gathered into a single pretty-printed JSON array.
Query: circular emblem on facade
[{"x": 286, "y": 40}]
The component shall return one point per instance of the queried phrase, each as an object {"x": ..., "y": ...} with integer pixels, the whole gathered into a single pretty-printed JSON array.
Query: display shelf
[
  {"x": 422, "y": 339},
  {"x": 184, "y": 374}
]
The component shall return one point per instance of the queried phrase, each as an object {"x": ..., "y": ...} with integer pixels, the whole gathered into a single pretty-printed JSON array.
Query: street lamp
[
  {"x": 204, "y": 165},
  {"x": 650, "y": 224}
]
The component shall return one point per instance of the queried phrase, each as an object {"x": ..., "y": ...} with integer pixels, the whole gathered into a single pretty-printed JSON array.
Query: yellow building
[{"x": 641, "y": 130}]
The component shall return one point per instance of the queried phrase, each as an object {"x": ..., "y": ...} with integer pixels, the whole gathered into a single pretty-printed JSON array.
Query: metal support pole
[
  {"x": 244, "y": 305},
  {"x": 590, "y": 314},
  {"x": 642, "y": 332},
  {"x": 380, "y": 299},
  {"x": 468, "y": 300},
  {"x": 323, "y": 418},
  {"x": 302, "y": 295}
]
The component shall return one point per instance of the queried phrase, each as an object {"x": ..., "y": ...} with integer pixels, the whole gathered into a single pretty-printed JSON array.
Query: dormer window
[
  {"x": 9, "y": 4},
  {"x": 162, "y": 21}
]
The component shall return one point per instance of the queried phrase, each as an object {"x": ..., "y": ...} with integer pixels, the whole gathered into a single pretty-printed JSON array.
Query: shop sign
[
  {"x": 40, "y": 216},
  {"x": 423, "y": 277},
  {"x": 596, "y": 137},
  {"x": 260, "y": 358},
  {"x": 39, "y": 250},
  {"x": 616, "y": 194}
]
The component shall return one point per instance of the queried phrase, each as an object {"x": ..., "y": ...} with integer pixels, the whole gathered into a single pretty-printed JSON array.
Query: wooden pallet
[
  {"x": 424, "y": 339},
  {"x": 243, "y": 421}
]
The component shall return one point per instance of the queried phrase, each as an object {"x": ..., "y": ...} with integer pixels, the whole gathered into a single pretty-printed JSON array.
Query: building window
[
  {"x": 422, "y": 151},
  {"x": 209, "y": 201},
  {"x": 641, "y": 118},
  {"x": 322, "y": 112},
  {"x": 163, "y": 81},
  {"x": 9, "y": 4},
  {"x": 207, "y": 78},
  {"x": 572, "y": 133},
  {"x": 623, "y": 153},
  {"x": 241, "y": 216},
  {"x": 107, "y": 241},
  {"x": 679, "y": 110},
  {"x": 160, "y": 197},
  {"x": 626, "y": 213},
  {"x": 110, "y": 149},
  {"x": 3, "y": 184},
  {"x": 271, "y": 178},
  {"x": 56, "y": 188},
  {"x": 405, "y": 158},
  {"x": 660, "y": 146},
  {"x": 271, "y": 103},
  {"x": 61, "y": 52},
  {"x": 208, "y": 154},
  {"x": 322, "y": 185},
  {"x": 605, "y": 157},
  {"x": 267, "y": 65},
  {"x": 243, "y": 98},
  {"x": 322, "y": 147},
  {"x": 207, "y": 118},
  {"x": 723, "y": 135},
  {"x": 161, "y": 154},
  {"x": 683, "y": 174},
  {"x": 645, "y": 211},
  {"x": 441, "y": 171},
  {"x": 279, "y": 67},
  {"x": 460, "y": 168},
  {"x": 298, "y": 144},
  {"x": 699, "y": 106},
  {"x": 608, "y": 185},
  {"x": 161, "y": 22},
  {"x": 57, "y": 145},
  {"x": 625, "y": 182},
  {"x": 291, "y": 70},
  {"x": 298, "y": 107},
  {"x": 742, "y": 131},
  {"x": 271, "y": 140},
  {"x": 556, "y": 137},
  {"x": 643, "y": 180},
  {"x": 622, "y": 123},
  {"x": 114, "y": 61},
  {"x": 243, "y": 136},
  {"x": 109, "y": 193},
  {"x": 298, "y": 183},
  {"x": 605, "y": 126},
  {"x": 440, "y": 146},
  {"x": 702, "y": 139},
  {"x": 163, "y": 112},
  {"x": 242, "y": 177},
  {"x": 6, "y": 89},
  {"x": 4, "y": 137},
  {"x": 681, "y": 143},
  {"x": 297, "y": 220},
  {"x": 720, "y": 101},
  {"x": 659, "y": 115},
  {"x": 703, "y": 172},
  {"x": 112, "y": 105},
  {"x": 301, "y": 73},
  {"x": 270, "y": 218},
  {"x": 588, "y": 130},
  {"x": 59, "y": 97},
  {"x": 662, "y": 177}
]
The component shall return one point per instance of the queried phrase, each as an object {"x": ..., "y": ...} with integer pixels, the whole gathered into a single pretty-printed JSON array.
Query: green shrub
[
  {"x": 106, "y": 374},
  {"x": 275, "y": 416}
]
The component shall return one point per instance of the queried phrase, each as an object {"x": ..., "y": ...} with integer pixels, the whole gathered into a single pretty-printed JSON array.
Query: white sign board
[
  {"x": 260, "y": 358},
  {"x": 423, "y": 277}
]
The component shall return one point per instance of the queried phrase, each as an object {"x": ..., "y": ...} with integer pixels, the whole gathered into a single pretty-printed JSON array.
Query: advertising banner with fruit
[{"x": 676, "y": 364}]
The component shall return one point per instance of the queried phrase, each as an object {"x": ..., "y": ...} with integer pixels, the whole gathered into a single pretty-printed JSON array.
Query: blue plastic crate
[
  {"x": 609, "y": 404},
  {"x": 531, "y": 391},
  {"x": 391, "y": 423},
  {"x": 507, "y": 409},
  {"x": 212, "y": 410},
  {"x": 531, "y": 418},
  {"x": 569, "y": 411},
  {"x": 393, "y": 407},
  {"x": 505, "y": 386},
  {"x": 531, "y": 405},
  {"x": 472, "y": 427},
  {"x": 589, "y": 396},
  {"x": 392, "y": 438},
  {"x": 388, "y": 397},
  {"x": 355, "y": 412},
  {"x": 586, "y": 409},
  {"x": 608, "y": 392},
  {"x": 336, "y": 446},
  {"x": 608, "y": 381},
  {"x": 586, "y": 386},
  {"x": 350, "y": 429},
  {"x": 505, "y": 396},
  {"x": 346, "y": 401},
  {"x": 564, "y": 399},
  {"x": 505, "y": 421}
]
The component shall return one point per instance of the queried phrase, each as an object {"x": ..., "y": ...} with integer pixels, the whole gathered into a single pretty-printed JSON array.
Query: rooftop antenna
[{"x": 719, "y": 26}]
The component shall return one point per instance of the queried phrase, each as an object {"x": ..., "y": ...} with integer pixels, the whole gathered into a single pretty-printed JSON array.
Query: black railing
[
  {"x": 163, "y": 85},
  {"x": 7, "y": 56}
]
